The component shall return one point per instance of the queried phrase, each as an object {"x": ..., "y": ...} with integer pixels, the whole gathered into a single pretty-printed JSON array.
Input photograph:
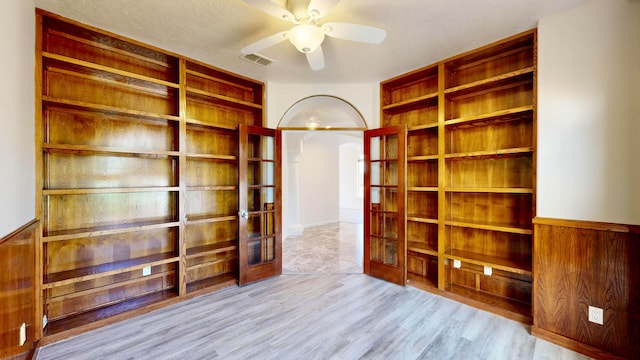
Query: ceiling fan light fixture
[{"x": 306, "y": 38}]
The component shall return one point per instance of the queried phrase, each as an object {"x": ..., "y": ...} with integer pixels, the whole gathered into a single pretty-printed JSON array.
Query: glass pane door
[
  {"x": 260, "y": 236},
  {"x": 385, "y": 203}
]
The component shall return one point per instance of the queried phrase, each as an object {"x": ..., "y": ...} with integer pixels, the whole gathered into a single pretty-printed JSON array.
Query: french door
[
  {"x": 384, "y": 196},
  {"x": 259, "y": 163}
]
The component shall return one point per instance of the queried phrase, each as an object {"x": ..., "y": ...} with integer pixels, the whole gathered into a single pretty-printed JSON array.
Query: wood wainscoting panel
[
  {"x": 17, "y": 291},
  {"x": 578, "y": 264}
]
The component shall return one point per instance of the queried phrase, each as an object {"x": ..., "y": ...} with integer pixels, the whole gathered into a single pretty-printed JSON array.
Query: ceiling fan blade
[
  {"x": 316, "y": 59},
  {"x": 267, "y": 42},
  {"x": 355, "y": 32},
  {"x": 272, "y": 9},
  {"x": 320, "y": 8}
]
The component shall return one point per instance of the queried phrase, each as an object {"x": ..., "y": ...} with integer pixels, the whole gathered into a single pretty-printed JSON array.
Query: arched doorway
[{"x": 322, "y": 146}]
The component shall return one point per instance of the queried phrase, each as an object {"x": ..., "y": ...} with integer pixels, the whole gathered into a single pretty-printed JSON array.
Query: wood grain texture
[
  {"x": 576, "y": 267},
  {"x": 349, "y": 316},
  {"x": 18, "y": 291}
]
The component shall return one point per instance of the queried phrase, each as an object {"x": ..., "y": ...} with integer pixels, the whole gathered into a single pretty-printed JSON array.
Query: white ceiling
[{"x": 419, "y": 32}]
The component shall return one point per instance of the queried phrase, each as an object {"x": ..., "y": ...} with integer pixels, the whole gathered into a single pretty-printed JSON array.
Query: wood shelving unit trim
[
  {"x": 213, "y": 283},
  {"x": 107, "y": 230},
  {"x": 493, "y": 190},
  {"x": 211, "y": 263},
  {"x": 495, "y": 262},
  {"x": 106, "y": 287},
  {"x": 107, "y": 150},
  {"x": 422, "y": 158},
  {"x": 210, "y": 219},
  {"x": 509, "y": 228},
  {"x": 418, "y": 128},
  {"x": 495, "y": 81},
  {"x": 107, "y": 109},
  {"x": 224, "y": 99},
  {"x": 422, "y": 188},
  {"x": 422, "y": 219},
  {"x": 413, "y": 246},
  {"x": 212, "y": 249},
  {"x": 94, "y": 66},
  {"x": 219, "y": 80},
  {"x": 510, "y": 308},
  {"x": 191, "y": 121},
  {"x": 492, "y": 117},
  {"x": 106, "y": 47},
  {"x": 491, "y": 153},
  {"x": 77, "y": 191},
  {"x": 98, "y": 271},
  {"x": 411, "y": 103},
  {"x": 420, "y": 282},
  {"x": 85, "y": 318},
  {"x": 213, "y": 188},
  {"x": 211, "y": 157}
]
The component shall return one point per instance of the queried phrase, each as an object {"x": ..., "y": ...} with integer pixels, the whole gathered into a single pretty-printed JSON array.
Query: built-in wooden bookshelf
[
  {"x": 137, "y": 173},
  {"x": 470, "y": 173}
]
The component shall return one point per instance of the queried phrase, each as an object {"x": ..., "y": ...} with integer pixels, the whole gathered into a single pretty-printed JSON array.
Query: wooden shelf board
[
  {"x": 491, "y": 153},
  {"x": 491, "y": 82},
  {"x": 107, "y": 150},
  {"x": 495, "y": 262},
  {"x": 224, "y": 100},
  {"x": 421, "y": 248},
  {"x": 424, "y": 100},
  {"x": 62, "y": 235},
  {"x": 211, "y": 157},
  {"x": 508, "y": 308},
  {"x": 211, "y": 218},
  {"x": 117, "y": 267},
  {"x": 422, "y": 158},
  {"x": 421, "y": 282},
  {"x": 213, "y": 283},
  {"x": 213, "y": 188},
  {"x": 422, "y": 188},
  {"x": 210, "y": 263},
  {"x": 219, "y": 80},
  {"x": 492, "y": 117},
  {"x": 510, "y": 228},
  {"x": 208, "y": 124},
  {"x": 491, "y": 190},
  {"x": 419, "y": 128},
  {"x": 98, "y": 67},
  {"x": 74, "y": 323},
  {"x": 212, "y": 249},
  {"x": 110, "y": 190},
  {"x": 422, "y": 219},
  {"x": 107, "y": 109},
  {"x": 107, "y": 287}
]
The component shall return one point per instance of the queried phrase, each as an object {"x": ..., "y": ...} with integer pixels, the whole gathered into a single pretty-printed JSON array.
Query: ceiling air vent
[{"x": 257, "y": 59}]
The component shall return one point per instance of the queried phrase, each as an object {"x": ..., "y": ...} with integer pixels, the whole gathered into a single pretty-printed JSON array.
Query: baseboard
[{"x": 573, "y": 344}]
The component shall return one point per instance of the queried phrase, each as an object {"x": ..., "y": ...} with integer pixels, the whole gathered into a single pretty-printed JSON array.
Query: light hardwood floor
[{"x": 312, "y": 316}]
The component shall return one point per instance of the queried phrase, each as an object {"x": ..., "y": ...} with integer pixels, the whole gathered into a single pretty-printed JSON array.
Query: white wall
[
  {"x": 17, "y": 99},
  {"x": 319, "y": 180},
  {"x": 349, "y": 155},
  {"x": 588, "y": 113}
]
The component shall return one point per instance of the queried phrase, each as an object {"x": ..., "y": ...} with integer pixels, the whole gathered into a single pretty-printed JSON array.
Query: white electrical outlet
[
  {"x": 23, "y": 334},
  {"x": 488, "y": 270},
  {"x": 596, "y": 315},
  {"x": 146, "y": 271},
  {"x": 44, "y": 321},
  {"x": 457, "y": 264}
]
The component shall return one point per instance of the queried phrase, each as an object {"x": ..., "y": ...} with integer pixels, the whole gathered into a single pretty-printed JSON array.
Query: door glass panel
[
  {"x": 391, "y": 253},
  {"x": 253, "y": 147},
  {"x": 254, "y": 252},
  {"x": 391, "y": 147},
  {"x": 269, "y": 149},
  {"x": 377, "y": 249},
  {"x": 253, "y": 172},
  {"x": 253, "y": 226},
  {"x": 391, "y": 199},
  {"x": 376, "y": 224},
  {"x": 269, "y": 252},
  {"x": 375, "y": 148},
  {"x": 268, "y": 173},
  {"x": 391, "y": 173},
  {"x": 390, "y": 227},
  {"x": 253, "y": 200},
  {"x": 375, "y": 199},
  {"x": 375, "y": 173}
]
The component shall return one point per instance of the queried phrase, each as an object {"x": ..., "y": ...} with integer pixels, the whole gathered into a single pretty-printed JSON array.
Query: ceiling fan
[{"x": 307, "y": 35}]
